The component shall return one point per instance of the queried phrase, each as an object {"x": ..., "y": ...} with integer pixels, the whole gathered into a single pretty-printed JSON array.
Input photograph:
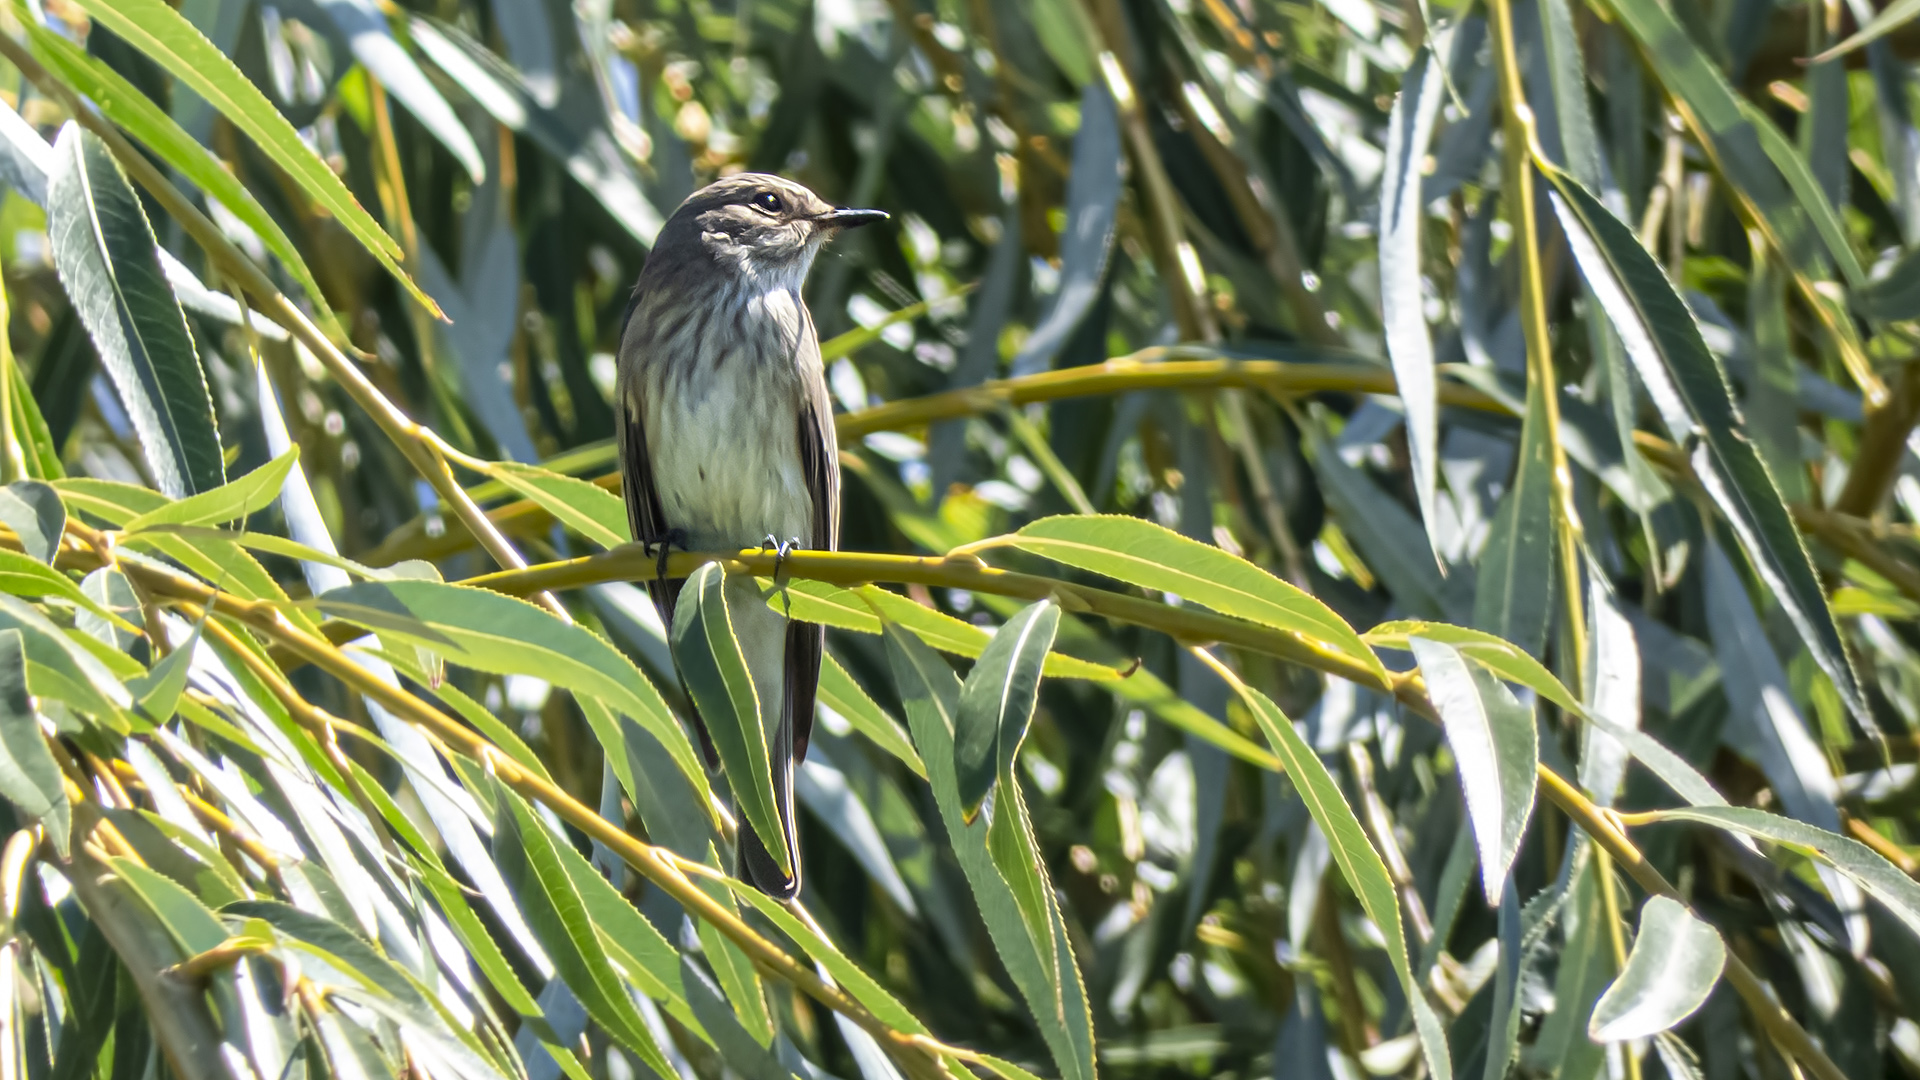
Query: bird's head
[{"x": 763, "y": 228}]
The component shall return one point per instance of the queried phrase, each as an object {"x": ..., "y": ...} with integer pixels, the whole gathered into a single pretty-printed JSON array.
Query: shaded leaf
[
  {"x": 1513, "y": 594},
  {"x": 1691, "y": 394},
  {"x": 1093, "y": 195},
  {"x": 373, "y": 45},
  {"x": 35, "y": 514},
  {"x": 715, "y": 672},
  {"x": 29, "y": 777},
  {"x": 104, "y": 250},
  {"x": 1359, "y": 863},
  {"x": 996, "y": 702}
]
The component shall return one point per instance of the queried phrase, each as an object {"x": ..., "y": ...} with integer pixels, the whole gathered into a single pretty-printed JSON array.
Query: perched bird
[{"x": 726, "y": 435}]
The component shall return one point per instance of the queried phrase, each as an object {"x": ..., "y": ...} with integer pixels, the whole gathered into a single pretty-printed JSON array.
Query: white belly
[{"x": 726, "y": 465}]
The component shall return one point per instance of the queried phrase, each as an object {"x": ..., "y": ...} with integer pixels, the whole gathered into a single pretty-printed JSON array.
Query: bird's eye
[{"x": 768, "y": 202}]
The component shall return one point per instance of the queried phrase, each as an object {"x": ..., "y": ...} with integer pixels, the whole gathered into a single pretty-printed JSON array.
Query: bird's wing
[
  {"x": 645, "y": 519},
  {"x": 820, "y": 465}
]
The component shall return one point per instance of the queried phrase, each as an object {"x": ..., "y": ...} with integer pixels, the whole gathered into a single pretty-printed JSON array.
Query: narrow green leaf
[
  {"x": 1826, "y": 221},
  {"x": 839, "y": 692},
  {"x": 161, "y": 34},
  {"x": 126, "y": 106},
  {"x": 854, "y": 980},
  {"x": 1152, "y": 557},
  {"x": 860, "y": 337},
  {"x": 21, "y": 575},
  {"x": 29, "y": 777},
  {"x": 1403, "y": 303},
  {"x": 487, "y": 631},
  {"x": 229, "y": 502},
  {"x": 1675, "y": 961},
  {"x": 109, "y": 500},
  {"x": 34, "y": 512},
  {"x": 1049, "y": 982},
  {"x": 1495, "y": 748},
  {"x": 193, "y": 928},
  {"x": 715, "y": 672},
  {"x": 103, "y": 248},
  {"x": 1692, "y": 396},
  {"x": 862, "y": 607},
  {"x": 584, "y": 144},
  {"x": 1506, "y": 659},
  {"x": 1513, "y": 595},
  {"x": 647, "y": 959},
  {"x": 1358, "y": 861},
  {"x": 530, "y": 858},
  {"x": 1864, "y": 865},
  {"x": 1015, "y": 853},
  {"x": 64, "y": 668},
  {"x": 1064, "y": 32},
  {"x": 996, "y": 702},
  {"x": 158, "y": 691},
  {"x": 1890, "y": 18},
  {"x": 588, "y": 509}
]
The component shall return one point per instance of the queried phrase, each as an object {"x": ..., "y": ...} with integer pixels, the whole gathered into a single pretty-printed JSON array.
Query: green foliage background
[{"x": 1380, "y": 538}]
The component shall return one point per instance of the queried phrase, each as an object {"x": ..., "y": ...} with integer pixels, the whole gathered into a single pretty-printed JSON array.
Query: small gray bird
[{"x": 726, "y": 435}]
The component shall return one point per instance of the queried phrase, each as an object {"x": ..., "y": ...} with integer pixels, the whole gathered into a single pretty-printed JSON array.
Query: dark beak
[{"x": 850, "y": 219}]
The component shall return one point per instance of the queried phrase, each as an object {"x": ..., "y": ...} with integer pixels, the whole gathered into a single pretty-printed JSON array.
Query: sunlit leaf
[
  {"x": 229, "y": 502},
  {"x": 1675, "y": 961},
  {"x": 1495, "y": 747},
  {"x": 1403, "y": 305},
  {"x": 1856, "y": 860},
  {"x": 1144, "y": 554},
  {"x": 565, "y": 925}
]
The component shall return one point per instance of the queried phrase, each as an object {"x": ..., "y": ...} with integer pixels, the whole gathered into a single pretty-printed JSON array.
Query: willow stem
[{"x": 1533, "y": 319}]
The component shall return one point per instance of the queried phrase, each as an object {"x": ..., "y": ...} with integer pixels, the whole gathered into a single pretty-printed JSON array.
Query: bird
[{"x": 726, "y": 438}]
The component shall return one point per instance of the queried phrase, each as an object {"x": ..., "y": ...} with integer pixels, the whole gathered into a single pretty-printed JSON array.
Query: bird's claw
[
  {"x": 662, "y": 545},
  {"x": 780, "y": 549}
]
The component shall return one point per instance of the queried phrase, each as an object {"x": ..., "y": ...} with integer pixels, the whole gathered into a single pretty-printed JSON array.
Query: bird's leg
[
  {"x": 660, "y": 546},
  {"x": 781, "y": 549}
]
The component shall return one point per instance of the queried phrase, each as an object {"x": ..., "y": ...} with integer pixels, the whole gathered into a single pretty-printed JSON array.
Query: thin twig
[{"x": 1541, "y": 384}]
